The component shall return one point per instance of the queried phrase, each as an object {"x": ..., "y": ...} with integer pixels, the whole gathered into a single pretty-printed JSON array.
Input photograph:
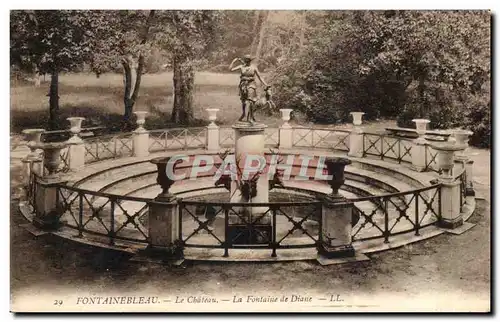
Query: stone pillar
[
  {"x": 286, "y": 130},
  {"x": 140, "y": 139},
  {"x": 31, "y": 165},
  {"x": 336, "y": 231},
  {"x": 164, "y": 225},
  {"x": 164, "y": 214},
  {"x": 76, "y": 151},
  {"x": 337, "y": 215},
  {"x": 47, "y": 203},
  {"x": 451, "y": 216},
  {"x": 450, "y": 205},
  {"x": 469, "y": 186},
  {"x": 356, "y": 136},
  {"x": 461, "y": 138},
  {"x": 418, "y": 149},
  {"x": 47, "y": 200},
  {"x": 213, "y": 135},
  {"x": 250, "y": 140}
]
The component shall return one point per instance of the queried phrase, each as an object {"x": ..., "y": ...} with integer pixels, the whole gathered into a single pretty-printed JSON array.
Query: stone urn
[
  {"x": 34, "y": 138},
  {"x": 357, "y": 118},
  {"x": 445, "y": 157},
  {"x": 335, "y": 167},
  {"x": 75, "y": 127},
  {"x": 421, "y": 126},
  {"x": 141, "y": 119},
  {"x": 212, "y": 115},
  {"x": 285, "y": 115},
  {"x": 51, "y": 156},
  {"x": 462, "y": 136},
  {"x": 164, "y": 179}
]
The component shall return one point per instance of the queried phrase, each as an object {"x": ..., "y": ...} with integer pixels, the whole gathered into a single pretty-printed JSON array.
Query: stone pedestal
[
  {"x": 213, "y": 135},
  {"x": 286, "y": 136},
  {"x": 286, "y": 130},
  {"x": 31, "y": 165},
  {"x": 250, "y": 139},
  {"x": 418, "y": 154},
  {"x": 356, "y": 142},
  {"x": 469, "y": 186},
  {"x": 140, "y": 142},
  {"x": 335, "y": 238},
  {"x": 47, "y": 204},
  {"x": 213, "y": 138},
  {"x": 76, "y": 153},
  {"x": 164, "y": 227},
  {"x": 450, "y": 204}
]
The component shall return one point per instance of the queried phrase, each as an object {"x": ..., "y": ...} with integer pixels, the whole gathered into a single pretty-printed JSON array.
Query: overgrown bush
[{"x": 395, "y": 64}]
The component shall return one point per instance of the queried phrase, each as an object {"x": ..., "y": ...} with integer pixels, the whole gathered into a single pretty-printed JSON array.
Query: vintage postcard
[{"x": 250, "y": 160}]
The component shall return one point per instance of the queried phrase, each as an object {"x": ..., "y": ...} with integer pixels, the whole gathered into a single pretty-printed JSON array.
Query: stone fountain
[{"x": 249, "y": 187}]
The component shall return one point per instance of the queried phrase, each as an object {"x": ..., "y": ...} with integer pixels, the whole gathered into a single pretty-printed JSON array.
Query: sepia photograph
[{"x": 250, "y": 161}]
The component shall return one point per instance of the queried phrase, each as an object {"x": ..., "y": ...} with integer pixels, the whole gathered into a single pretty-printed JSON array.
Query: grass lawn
[{"x": 102, "y": 98}]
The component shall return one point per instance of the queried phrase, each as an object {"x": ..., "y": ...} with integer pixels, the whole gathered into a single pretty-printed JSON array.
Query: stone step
[{"x": 101, "y": 180}]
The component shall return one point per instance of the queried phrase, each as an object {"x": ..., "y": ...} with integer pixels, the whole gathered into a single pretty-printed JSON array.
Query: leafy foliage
[
  {"x": 187, "y": 34},
  {"x": 50, "y": 40},
  {"x": 408, "y": 64}
]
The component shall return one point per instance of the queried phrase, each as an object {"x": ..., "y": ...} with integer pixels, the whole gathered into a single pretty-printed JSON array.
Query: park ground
[{"x": 442, "y": 269}]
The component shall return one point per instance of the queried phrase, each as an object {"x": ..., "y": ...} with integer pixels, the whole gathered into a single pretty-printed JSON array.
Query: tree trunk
[
  {"x": 132, "y": 82},
  {"x": 261, "y": 36},
  {"x": 182, "y": 112},
  {"x": 54, "y": 100},
  {"x": 255, "y": 31}
]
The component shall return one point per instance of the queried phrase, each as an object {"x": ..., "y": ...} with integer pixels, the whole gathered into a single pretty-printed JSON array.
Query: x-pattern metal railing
[
  {"x": 102, "y": 214},
  {"x": 430, "y": 159},
  {"x": 272, "y": 137},
  {"x": 397, "y": 213},
  {"x": 202, "y": 226},
  {"x": 108, "y": 147},
  {"x": 298, "y": 225},
  {"x": 386, "y": 146},
  {"x": 226, "y": 137},
  {"x": 119, "y": 217},
  {"x": 334, "y": 139},
  {"x": 177, "y": 138},
  {"x": 234, "y": 210}
]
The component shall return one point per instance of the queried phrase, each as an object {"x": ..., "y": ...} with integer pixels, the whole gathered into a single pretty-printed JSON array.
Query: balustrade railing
[
  {"x": 177, "y": 139},
  {"x": 272, "y": 137},
  {"x": 396, "y": 213},
  {"x": 332, "y": 139},
  {"x": 108, "y": 147},
  {"x": 387, "y": 147},
  {"x": 226, "y": 137},
  {"x": 208, "y": 225},
  {"x": 431, "y": 159},
  {"x": 102, "y": 214}
]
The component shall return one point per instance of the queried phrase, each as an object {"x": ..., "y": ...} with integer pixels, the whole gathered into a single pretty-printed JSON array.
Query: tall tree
[
  {"x": 432, "y": 52},
  {"x": 124, "y": 39},
  {"x": 187, "y": 34},
  {"x": 50, "y": 41}
]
